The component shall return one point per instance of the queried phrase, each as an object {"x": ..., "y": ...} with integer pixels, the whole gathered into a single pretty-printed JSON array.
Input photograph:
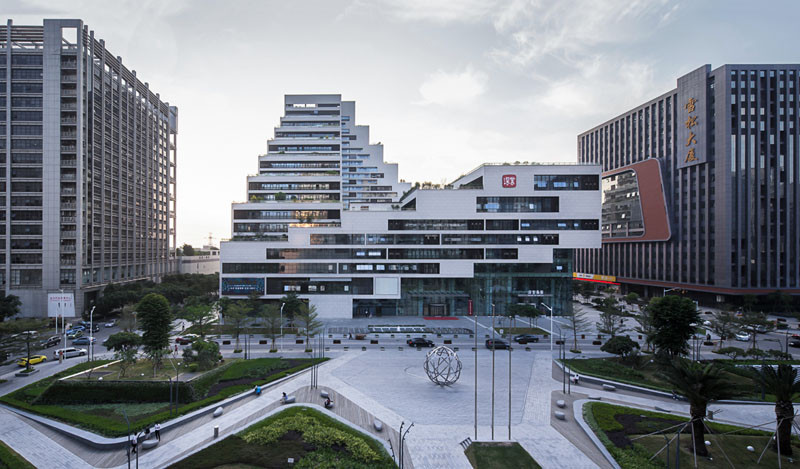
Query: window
[
  {"x": 26, "y": 87},
  {"x": 26, "y": 130},
  {"x": 502, "y": 225},
  {"x": 25, "y": 59},
  {"x": 26, "y": 277},
  {"x": 435, "y": 225},
  {"x": 588, "y": 224},
  {"x": 26, "y": 101},
  {"x": 26, "y": 74}
]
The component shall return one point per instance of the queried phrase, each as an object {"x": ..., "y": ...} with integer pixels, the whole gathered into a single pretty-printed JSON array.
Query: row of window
[
  {"x": 22, "y": 59},
  {"x": 453, "y": 225},
  {"x": 22, "y": 101},
  {"x": 433, "y": 253},
  {"x": 297, "y": 186},
  {"x": 35, "y": 88},
  {"x": 285, "y": 214},
  {"x": 326, "y": 268},
  {"x": 24, "y": 116},
  {"x": 299, "y": 164},
  {"x": 516, "y": 204},
  {"x": 564, "y": 182},
  {"x": 433, "y": 239}
]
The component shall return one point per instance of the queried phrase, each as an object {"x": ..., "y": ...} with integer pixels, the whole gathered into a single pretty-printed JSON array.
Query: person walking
[
  {"x": 134, "y": 442},
  {"x": 157, "y": 429}
]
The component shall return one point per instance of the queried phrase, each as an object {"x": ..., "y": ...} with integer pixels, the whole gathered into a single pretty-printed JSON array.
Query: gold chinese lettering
[
  {"x": 691, "y": 121},
  {"x": 690, "y": 156},
  {"x": 691, "y": 139},
  {"x": 690, "y": 104}
]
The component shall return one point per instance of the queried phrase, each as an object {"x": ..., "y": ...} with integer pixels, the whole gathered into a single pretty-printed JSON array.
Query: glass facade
[{"x": 622, "y": 209}]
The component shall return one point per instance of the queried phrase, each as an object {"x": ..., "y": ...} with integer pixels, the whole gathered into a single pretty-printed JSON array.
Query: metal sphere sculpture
[{"x": 443, "y": 366}]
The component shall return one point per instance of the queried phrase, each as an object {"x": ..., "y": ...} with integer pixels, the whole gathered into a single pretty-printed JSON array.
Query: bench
[
  {"x": 289, "y": 399},
  {"x": 151, "y": 443},
  {"x": 560, "y": 415},
  {"x": 324, "y": 394},
  {"x": 218, "y": 411},
  {"x": 561, "y": 404},
  {"x": 378, "y": 425},
  {"x": 609, "y": 387}
]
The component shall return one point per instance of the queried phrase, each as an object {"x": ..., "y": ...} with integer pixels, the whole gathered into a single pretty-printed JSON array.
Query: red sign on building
[{"x": 509, "y": 180}]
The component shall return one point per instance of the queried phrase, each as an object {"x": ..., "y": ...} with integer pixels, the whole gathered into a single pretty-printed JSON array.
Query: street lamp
[
  {"x": 551, "y": 324},
  {"x": 91, "y": 334},
  {"x": 282, "y": 305}
]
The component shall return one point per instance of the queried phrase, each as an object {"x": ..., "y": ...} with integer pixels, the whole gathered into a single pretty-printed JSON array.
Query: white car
[
  {"x": 707, "y": 323},
  {"x": 111, "y": 323},
  {"x": 743, "y": 336}
]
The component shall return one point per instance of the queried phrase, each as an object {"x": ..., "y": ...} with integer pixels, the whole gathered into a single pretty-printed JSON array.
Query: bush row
[{"x": 113, "y": 392}]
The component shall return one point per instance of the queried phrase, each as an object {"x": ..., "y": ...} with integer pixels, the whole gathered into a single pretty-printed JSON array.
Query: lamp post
[
  {"x": 91, "y": 334},
  {"x": 494, "y": 346},
  {"x": 551, "y": 325},
  {"x": 282, "y": 305}
]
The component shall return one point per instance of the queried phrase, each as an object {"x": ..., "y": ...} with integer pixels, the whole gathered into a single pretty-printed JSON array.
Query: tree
[
  {"x": 724, "y": 325},
  {"x": 645, "y": 325},
  {"x": 127, "y": 322},
  {"x": 307, "y": 317},
  {"x": 155, "y": 320},
  {"x": 632, "y": 298},
  {"x": 25, "y": 333},
  {"x": 620, "y": 345},
  {"x": 201, "y": 316},
  {"x": 754, "y": 323},
  {"x": 9, "y": 306},
  {"x": 524, "y": 310},
  {"x": 271, "y": 317},
  {"x": 781, "y": 381},
  {"x": 237, "y": 315},
  {"x": 732, "y": 352},
  {"x": 700, "y": 384},
  {"x": 280, "y": 195},
  {"x": 125, "y": 346},
  {"x": 674, "y": 321},
  {"x": 576, "y": 322},
  {"x": 204, "y": 353},
  {"x": 292, "y": 305},
  {"x": 611, "y": 318},
  {"x": 188, "y": 250}
]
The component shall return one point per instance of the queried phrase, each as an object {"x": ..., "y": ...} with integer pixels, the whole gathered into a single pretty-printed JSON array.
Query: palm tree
[
  {"x": 700, "y": 384},
  {"x": 782, "y": 382}
]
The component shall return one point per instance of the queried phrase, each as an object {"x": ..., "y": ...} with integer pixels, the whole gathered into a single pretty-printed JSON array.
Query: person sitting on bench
[
  {"x": 328, "y": 403},
  {"x": 575, "y": 378}
]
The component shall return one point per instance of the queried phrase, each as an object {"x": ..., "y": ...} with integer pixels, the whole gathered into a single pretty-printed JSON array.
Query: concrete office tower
[
  {"x": 701, "y": 186},
  {"x": 328, "y": 220},
  {"x": 89, "y": 155}
]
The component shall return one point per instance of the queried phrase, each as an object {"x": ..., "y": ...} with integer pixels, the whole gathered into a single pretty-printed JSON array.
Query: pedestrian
[
  {"x": 133, "y": 442},
  {"x": 157, "y": 429},
  {"x": 283, "y": 398}
]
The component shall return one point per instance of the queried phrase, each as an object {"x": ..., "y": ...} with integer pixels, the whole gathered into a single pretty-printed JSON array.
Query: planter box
[
  {"x": 597, "y": 342},
  {"x": 559, "y": 342},
  {"x": 448, "y": 341},
  {"x": 298, "y": 341},
  {"x": 583, "y": 336},
  {"x": 455, "y": 336},
  {"x": 22, "y": 374},
  {"x": 226, "y": 342},
  {"x": 336, "y": 341},
  {"x": 708, "y": 342},
  {"x": 374, "y": 341},
  {"x": 363, "y": 349},
  {"x": 262, "y": 342}
]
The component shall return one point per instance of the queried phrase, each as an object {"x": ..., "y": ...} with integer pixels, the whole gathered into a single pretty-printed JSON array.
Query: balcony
[
  {"x": 69, "y": 148},
  {"x": 69, "y": 133},
  {"x": 69, "y": 234},
  {"x": 70, "y": 220},
  {"x": 67, "y": 176},
  {"x": 69, "y": 64},
  {"x": 69, "y": 106},
  {"x": 68, "y": 191},
  {"x": 69, "y": 206},
  {"x": 69, "y": 93},
  {"x": 69, "y": 78},
  {"x": 69, "y": 121},
  {"x": 70, "y": 163},
  {"x": 68, "y": 248},
  {"x": 67, "y": 261}
]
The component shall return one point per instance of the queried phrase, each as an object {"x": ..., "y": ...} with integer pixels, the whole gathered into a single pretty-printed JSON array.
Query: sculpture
[{"x": 443, "y": 366}]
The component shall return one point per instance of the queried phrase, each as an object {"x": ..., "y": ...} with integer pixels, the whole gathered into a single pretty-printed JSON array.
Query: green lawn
[
  {"x": 522, "y": 330},
  {"x": 9, "y": 459},
  {"x": 317, "y": 443},
  {"x": 500, "y": 456},
  {"x": 234, "y": 377},
  {"x": 648, "y": 375},
  {"x": 622, "y": 430},
  {"x": 142, "y": 370}
]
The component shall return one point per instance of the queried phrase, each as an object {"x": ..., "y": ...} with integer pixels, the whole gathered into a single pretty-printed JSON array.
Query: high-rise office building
[
  {"x": 88, "y": 153},
  {"x": 327, "y": 219},
  {"x": 700, "y": 186}
]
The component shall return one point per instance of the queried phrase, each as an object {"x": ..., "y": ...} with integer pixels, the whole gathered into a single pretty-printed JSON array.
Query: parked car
[
  {"x": 83, "y": 341},
  {"x": 79, "y": 327},
  {"x": 74, "y": 334},
  {"x": 794, "y": 343},
  {"x": 69, "y": 352},
  {"x": 51, "y": 341},
  {"x": 34, "y": 360},
  {"x": 525, "y": 338},
  {"x": 110, "y": 323},
  {"x": 96, "y": 328},
  {"x": 186, "y": 339},
  {"x": 419, "y": 342},
  {"x": 494, "y": 344},
  {"x": 707, "y": 323},
  {"x": 743, "y": 336}
]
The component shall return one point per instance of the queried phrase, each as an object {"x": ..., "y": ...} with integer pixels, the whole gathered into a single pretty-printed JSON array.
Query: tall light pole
[
  {"x": 91, "y": 334},
  {"x": 476, "y": 372},
  {"x": 282, "y": 305},
  {"x": 513, "y": 321},
  {"x": 551, "y": 325},
  {"x": 494, "y": 346}
]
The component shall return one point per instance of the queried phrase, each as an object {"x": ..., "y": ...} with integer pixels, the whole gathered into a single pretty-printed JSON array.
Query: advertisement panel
[{"x": 61, "y": 304}]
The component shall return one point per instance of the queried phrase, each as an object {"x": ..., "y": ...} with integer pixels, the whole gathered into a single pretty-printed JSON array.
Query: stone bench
[
  {"x": 151, "y": 443},
  {"x": 218, "y": 411},
  {"x": 561, "y": 404},
  {"x": 609, "y": 387},
  {"x": 324, "y": 394},
  {"x": 560, "y": 415},
  {"x": 289, "y": 400},
  {"x": 378, "y": 425}
]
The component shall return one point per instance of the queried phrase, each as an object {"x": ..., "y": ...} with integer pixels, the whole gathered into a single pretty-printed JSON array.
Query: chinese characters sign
[
  {"x": 509, "y": 180},
  {"x": 691, "y": 106}
]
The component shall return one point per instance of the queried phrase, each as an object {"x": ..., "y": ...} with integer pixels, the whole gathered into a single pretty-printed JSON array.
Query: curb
[
  {"x": 577, "y": 410},
  {"x": 100, "y": 442}
]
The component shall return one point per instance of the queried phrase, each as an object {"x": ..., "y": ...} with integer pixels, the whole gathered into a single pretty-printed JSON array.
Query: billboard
[{"x": 60, "y": 304}]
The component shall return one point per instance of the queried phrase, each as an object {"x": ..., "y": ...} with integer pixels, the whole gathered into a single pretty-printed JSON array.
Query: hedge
[{"x": 113, "y": 392}]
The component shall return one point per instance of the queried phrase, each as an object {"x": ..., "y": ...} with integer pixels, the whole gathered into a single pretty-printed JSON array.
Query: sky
[{"x": 445, "y": 85}]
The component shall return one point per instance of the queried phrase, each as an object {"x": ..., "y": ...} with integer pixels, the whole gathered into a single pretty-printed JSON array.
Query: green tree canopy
[
  {"x": 201, "y": 316},
  {"x": 204, "y": 353},
  {"x": 9, "y": 306},
  {"x": 307, "y": 319},
  {"x": 672, "y": 319},
  {"x": 620, "y": 345},
  {"x": 292, "y": 305},
  {"x": 125, "y": 346},
  {"x": 155, "y": 320}
]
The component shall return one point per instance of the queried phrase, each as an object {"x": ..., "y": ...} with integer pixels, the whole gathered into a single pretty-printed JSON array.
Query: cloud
[{"x": 453, "y": 88}]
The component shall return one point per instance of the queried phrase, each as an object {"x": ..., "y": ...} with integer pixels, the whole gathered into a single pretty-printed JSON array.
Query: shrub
[
  {"x": 620, "y": 345},
  {"x": 732, "y": 352},
  {"x": 111, "y": 392}
]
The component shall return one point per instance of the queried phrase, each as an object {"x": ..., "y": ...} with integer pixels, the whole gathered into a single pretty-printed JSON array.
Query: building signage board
[
  {"x": 509, "y": 180},
  {"x": 595, "y": 277},
  {"x": 692, "y": 110},
  {"x": 61, "y": 305}
]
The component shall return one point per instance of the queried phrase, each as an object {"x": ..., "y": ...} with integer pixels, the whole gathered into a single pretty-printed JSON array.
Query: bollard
[{"x": 216, "y": 431}]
